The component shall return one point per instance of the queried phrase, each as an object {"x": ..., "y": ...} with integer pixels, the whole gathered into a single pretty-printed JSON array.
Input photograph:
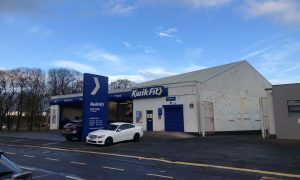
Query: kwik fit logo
[{"x": 147, "y": 92}]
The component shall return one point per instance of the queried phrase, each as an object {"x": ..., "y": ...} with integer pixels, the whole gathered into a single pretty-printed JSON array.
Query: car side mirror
[{"x": 119, "y": 130}]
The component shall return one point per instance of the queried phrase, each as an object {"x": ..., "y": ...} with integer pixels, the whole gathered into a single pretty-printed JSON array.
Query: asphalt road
[
  {"x": 158, "y": 157},
  {"x": 53, "y": 164}
]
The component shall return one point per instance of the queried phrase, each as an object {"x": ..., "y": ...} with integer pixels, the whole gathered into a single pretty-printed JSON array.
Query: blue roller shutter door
[{"x": 174, "y": 118}]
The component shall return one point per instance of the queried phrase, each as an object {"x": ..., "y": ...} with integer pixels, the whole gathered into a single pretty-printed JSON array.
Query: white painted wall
[
  {"x": 54, "y": 117},
  {"x": 235, "y": 95},
  {"x": 184, "y": 95},
  {"x": 233, "y": 113}
]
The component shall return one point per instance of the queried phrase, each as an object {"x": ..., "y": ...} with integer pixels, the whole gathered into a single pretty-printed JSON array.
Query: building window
[{"x": 294, "y": 108}]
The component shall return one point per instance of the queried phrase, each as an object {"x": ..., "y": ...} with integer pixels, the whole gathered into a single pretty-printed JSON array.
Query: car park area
[{"x": 233, "y": 151}]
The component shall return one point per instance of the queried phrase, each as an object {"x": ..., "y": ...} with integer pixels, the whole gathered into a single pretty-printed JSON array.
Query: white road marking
[
  {"x": 49, "y": 173},
  {"x": 268, "y": 178},
  {"x": 28, "y": 156},
  {"x": 50, "y": 159},
  {"x": 72, "y": 177},
  {"x": 27, "y": 168},
  {"x": 80, "y": 163},
  {"x": 157, "y": 175},
  {"x": 11, "y": 153},
  {"x": 112, "y": 168}
]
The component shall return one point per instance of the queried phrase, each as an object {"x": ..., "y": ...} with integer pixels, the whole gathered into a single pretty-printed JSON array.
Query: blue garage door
[{"x": 174, "y": 118}]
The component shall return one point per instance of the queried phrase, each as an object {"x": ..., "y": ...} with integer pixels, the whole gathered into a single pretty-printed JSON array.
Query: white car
[{"x": 115, "y": 132}]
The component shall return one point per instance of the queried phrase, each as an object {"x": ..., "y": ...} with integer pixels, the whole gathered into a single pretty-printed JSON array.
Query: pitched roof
[{"x": 199, "y": 75}]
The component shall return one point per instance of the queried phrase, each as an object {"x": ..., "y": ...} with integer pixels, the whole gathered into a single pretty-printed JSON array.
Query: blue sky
[{"x": 147, "y": 39}]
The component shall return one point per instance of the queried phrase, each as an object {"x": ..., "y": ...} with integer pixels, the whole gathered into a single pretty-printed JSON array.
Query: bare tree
[
  {"x": 121, "y": 84},
  {"x": 21, "y": 79},
  {"x": 7, "y": 97},
  {"x": 64, "y": 81},
  {"x": 35, "y": 96}
]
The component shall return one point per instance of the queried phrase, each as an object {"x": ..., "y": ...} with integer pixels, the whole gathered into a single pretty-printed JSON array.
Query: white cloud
[
  {"x": 152, "y": 73},
  {"x": 118, "y": 8},
  {"x": 278, "y": 63},
  {"x": 40, "y": 29},
  {"x": 193, "y": 52},
  {"x": 281, "y": 81},
  {"x": 127, "y": 45},
  {"x": 169, "y": 33},
  {"x": 148, "y": 49},
  {"x": 295, "y": 67},
  {"x": 206, "y": 3},
  {"x": 102, "y": 55},
  {"x": 74, "y": 65},
  {"x": 155, "y": 72},
  {"x": 163, "y": 34},
  {"x": 135, "y": 78},
  {"x": 256, "y": 53},
  {"x": 195, "y": 4},
  {"x": 284, "y": 11}
]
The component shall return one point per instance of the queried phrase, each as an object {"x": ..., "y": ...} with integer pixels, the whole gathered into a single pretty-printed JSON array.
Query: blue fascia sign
[
  {"x": 120, "y": 96},
  {"x": 149, "y": 92},
  {"x": 70, "y": 100},
  {"x": 95, "y": 106}
]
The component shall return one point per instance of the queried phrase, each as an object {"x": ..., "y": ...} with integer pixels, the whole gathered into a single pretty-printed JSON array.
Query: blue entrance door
[
  {"x": 149, "y": 120},
  {"x": 174, "y": 118}
]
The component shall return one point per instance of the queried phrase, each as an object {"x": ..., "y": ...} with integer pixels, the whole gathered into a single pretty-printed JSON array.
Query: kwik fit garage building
[{"x": 223, "y": 98}]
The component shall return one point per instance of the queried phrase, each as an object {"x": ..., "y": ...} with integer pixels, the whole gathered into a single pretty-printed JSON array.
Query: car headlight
[{"x": 101, "y": 136}]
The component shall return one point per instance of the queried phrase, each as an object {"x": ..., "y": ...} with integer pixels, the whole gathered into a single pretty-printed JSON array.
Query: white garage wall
[
  {"x": 235, "y": 95},
  {"x": 233, "y": 113},
  {"x": 184, "y": 95}
]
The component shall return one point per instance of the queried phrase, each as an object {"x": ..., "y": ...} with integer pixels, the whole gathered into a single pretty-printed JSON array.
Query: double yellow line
[{"x": 173, "y": 162}]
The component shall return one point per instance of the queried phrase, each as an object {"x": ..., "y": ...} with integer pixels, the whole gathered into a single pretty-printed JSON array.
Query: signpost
[{"x": 95, "y": 106}]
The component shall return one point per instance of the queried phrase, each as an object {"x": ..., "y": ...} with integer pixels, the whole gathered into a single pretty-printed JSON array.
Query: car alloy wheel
[
  {"x": 109, "y": 141},
  {"x": 136, "y": 137}
]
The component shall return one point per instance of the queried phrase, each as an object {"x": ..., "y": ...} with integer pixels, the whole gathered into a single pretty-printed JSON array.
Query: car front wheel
[
  {"x": 108, "y": 141},
  {"x": 136, "y": 137}
]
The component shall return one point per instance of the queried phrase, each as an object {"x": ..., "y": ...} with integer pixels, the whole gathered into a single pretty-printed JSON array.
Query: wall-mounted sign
[
  {"x": 139, "y": 116},
  {"x": 159, "y": 111},
  {"x": 95, "y": 96},
  {"x": 171, "y": 98},
  {"x": 149, "y": 92}
]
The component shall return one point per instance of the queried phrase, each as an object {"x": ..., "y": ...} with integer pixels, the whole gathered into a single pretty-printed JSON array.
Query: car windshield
[{"x": 111, "y": 127}]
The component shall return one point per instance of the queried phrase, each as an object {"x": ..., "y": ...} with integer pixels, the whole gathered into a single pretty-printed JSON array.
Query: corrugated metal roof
[{"x": 200, "y": 75}]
